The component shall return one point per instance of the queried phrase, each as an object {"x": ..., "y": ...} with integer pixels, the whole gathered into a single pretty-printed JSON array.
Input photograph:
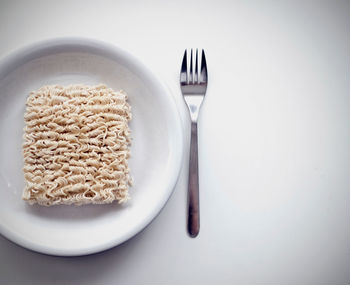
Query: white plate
[{"x": 156, "y": 149}]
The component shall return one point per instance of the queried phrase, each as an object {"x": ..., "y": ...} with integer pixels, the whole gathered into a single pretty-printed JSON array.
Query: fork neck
[
  {"x": 194, "y": 103},
  {"x": 194, "y": 111}
]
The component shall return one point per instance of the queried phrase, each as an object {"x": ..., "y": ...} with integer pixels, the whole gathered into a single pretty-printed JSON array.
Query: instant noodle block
[{"x": 76, "y": 145}]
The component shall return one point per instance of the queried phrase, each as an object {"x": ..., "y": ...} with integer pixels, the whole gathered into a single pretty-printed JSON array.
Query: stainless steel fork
[{"x": 193, "y": 87}]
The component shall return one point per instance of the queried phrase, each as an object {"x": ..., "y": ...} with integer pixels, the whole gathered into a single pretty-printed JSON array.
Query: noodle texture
[{"x": 76, "y": 145}]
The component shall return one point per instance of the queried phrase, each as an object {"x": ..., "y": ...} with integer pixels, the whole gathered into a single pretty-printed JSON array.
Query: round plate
[{"x": 156, "y": 148}]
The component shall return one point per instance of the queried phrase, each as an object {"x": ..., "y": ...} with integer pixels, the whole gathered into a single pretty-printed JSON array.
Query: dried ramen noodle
[{"x": 76, "y": 145}]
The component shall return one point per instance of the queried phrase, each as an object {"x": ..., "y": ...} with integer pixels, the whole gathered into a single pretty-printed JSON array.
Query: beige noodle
[{"x": 76, "y": 145}]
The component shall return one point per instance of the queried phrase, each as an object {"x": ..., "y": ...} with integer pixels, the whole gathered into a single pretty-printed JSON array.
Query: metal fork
[{"x": 193, "y": 88}]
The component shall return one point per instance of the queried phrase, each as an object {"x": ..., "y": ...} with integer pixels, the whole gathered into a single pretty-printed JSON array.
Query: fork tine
[
  {"x": 204, "y": 73},
  {"x": 196, "y": 69},
  {"x": 183, "y": 74},
  {"x": 191, "y": 70}
]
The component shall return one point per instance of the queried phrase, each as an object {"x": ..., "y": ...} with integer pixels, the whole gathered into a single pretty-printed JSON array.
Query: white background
[{"x": 274, "y": 137}]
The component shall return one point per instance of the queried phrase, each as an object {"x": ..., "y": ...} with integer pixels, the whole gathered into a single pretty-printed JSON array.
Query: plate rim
[{"x": 24, "y": 54}]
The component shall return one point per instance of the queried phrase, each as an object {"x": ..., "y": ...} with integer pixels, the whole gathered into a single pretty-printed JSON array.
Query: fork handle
[{"x": 193, "y": 185}]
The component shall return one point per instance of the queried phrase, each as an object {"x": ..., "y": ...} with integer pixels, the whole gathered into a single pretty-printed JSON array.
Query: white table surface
[{"x": 274, "y": 137}]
